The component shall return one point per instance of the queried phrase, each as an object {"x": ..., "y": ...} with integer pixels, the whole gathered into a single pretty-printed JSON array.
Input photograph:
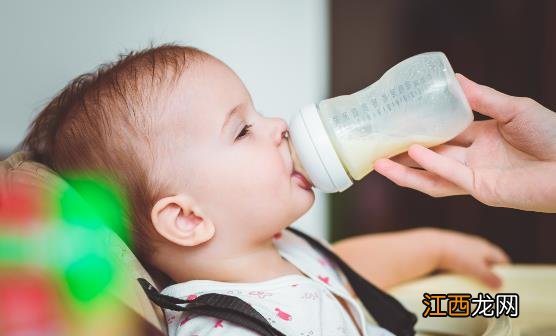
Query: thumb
[{"x": 488, "y": 101}]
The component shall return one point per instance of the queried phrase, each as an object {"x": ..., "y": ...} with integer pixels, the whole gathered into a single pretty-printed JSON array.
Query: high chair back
[{"x": 17, "y": 173}]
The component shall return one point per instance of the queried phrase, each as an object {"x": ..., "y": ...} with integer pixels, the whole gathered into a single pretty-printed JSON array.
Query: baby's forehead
[{"x": 203, "y": 95}]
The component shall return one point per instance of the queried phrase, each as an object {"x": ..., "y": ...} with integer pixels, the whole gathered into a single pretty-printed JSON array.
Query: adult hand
[{"x": 508, "y": 161}]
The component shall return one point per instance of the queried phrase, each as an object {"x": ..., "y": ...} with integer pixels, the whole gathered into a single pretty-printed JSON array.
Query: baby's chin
[
  {"x": 302, "y": 201},
  {"x": 300, "y": 208}
]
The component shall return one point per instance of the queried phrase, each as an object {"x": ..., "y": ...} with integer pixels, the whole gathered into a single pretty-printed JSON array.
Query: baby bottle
[{"x": 418, "y": 101}]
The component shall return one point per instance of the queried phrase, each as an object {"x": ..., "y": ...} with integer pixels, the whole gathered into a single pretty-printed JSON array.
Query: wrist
[{"x": 434, "y": 241}]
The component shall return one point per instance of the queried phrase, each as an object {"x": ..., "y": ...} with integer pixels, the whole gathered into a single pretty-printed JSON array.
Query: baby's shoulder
[
  {"x": 287, "y": 303},
  {"x": 187, "y": 324},
  {"x": 310, "y": 260},
  {"x": 289, "y": 241}
]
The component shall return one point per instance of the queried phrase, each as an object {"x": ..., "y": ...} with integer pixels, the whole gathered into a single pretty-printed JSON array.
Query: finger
[
  {"x": 483, "y": 272},
  {"x": 423, "y": 181},
  {"x": 480, "y": 269},
  {"x": 497, "y": 255},
  {"x": 405, "y": 160},
  {"x": 488, "y": 101},
  {"x": 449, "y": 150},
  {"x": 445, "y": 167}
]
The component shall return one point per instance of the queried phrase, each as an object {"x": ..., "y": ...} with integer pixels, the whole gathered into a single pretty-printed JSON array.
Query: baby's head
[{"x": 204, "y": 173}]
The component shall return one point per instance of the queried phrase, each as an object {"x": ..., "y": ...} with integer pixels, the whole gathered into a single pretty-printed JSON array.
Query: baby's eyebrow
[{"x": 229, "y": 116}]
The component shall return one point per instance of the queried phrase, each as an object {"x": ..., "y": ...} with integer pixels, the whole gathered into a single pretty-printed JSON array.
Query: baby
[{"x": 211, "y": 188}]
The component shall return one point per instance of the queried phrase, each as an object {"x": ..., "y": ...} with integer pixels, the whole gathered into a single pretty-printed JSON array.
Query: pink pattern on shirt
[
  {"x": 283, "y": 315},
  {"x": 324, "y": 262},
  {"x": 324, "y": 279},
  {"x": 260, "y": 294},
  {"x": 187, "y": 318}
]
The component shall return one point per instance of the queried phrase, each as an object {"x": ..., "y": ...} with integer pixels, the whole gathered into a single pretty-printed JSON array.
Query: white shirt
[{"x": 294, "y": 304}]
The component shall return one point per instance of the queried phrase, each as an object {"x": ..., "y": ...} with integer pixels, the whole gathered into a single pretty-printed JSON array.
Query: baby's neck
[{"x": 256, "y": 265}]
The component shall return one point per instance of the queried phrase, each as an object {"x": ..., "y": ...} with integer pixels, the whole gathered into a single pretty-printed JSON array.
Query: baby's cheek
[
  {"x": 255, "y": 175},
  {"x": 274, "y": 170}
]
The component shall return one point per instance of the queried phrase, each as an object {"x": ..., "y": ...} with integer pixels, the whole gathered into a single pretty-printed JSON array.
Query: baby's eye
[{"x": 244, "y": 131}]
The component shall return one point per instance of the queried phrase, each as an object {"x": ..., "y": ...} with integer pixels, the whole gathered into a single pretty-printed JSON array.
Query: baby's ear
[{"x": 178, "y": 219}]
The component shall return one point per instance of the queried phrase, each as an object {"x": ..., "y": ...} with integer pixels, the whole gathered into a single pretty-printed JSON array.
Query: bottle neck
[{"x": 297, "y": 166}]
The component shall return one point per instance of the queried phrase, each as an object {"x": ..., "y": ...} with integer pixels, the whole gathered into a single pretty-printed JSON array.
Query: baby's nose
[{"x": 280, "y": 130}]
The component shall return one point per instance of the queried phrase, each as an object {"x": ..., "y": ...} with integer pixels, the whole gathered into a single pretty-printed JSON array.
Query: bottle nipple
[{"x": 297, "y": 166}]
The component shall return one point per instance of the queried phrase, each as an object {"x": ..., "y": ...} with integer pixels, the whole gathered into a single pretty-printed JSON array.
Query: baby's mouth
[
  {"x": 302, "y": 181},
  {"x": 297, "y": 169}
]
